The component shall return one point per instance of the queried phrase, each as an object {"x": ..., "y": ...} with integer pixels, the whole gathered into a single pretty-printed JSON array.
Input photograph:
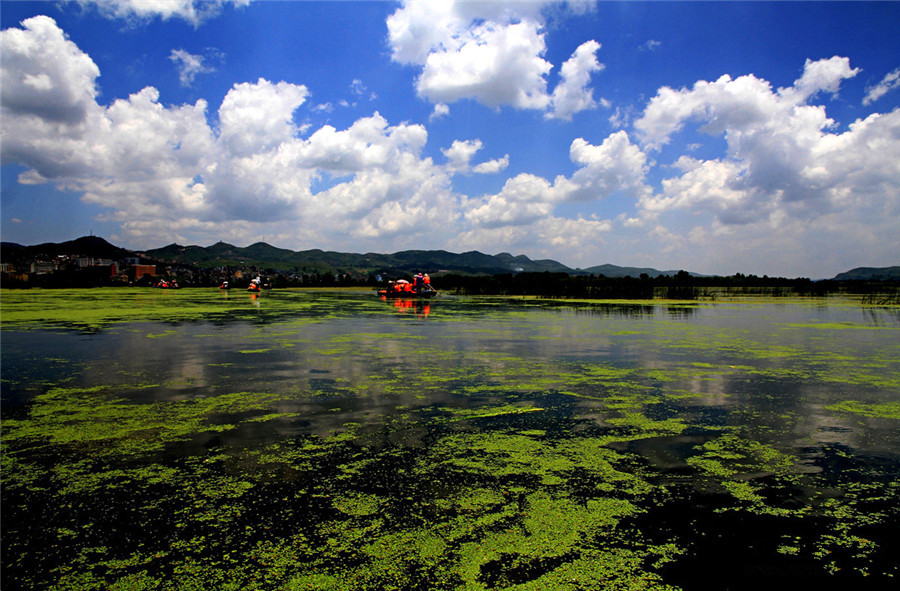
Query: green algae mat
[{"x": 199, "y": 439}]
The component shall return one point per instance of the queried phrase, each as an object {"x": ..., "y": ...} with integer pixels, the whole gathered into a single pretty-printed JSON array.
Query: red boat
[{"x": 404, "y": 289}]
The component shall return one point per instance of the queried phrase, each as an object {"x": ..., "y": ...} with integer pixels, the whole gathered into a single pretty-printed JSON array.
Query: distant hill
[
  {"x": 265, "y": 255},
  {"x": 869, "y": 274},
  {"x": 86, "y": 246},
  {"x": 615, "y": 271},
  {"x": 222, "y": 254}
]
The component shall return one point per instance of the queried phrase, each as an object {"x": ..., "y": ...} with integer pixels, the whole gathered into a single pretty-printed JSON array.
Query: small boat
[
  {"x": 255, "y": 285},
  {"x": 404, "y": 289}
]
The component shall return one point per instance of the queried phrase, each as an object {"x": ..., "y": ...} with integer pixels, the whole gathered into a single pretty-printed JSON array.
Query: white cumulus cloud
[
  {"x": 492, "y": 166},
  {"x": 192, "y": 11},
  {"x": 822, "y": 76},
  {"x": 440, "y": 110},
  {"x": 572, "y": 94},
  {"x": 256, "y": 117},
  {"x": 617, "y": 165},
  {"x": 524, "y": 200},
  {"x": 493, "y": 64},
  {"x": 887, "y": 84},
  {"x": 492, "y": 53},
  {"x": 784, "y": 164},
  {"x": 460, "y": 154},
  {"x": 44, "y": 74},
  {"x": 188, "y": 65},
  {"x": 167, "y": 171}
]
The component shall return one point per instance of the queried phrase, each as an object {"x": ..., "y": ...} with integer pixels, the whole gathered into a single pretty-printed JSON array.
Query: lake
[{"x": 199, "y": 439}]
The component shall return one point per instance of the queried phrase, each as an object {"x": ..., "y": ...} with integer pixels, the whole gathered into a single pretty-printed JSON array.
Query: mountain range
[
  {"x": 266, "y": 256},
  {"x": 260, "y": 254}
]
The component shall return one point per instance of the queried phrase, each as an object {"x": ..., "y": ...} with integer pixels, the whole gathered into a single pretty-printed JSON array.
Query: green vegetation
[
  {"x": 881, "y": 410},
  {"x": 93, "y": 309}
]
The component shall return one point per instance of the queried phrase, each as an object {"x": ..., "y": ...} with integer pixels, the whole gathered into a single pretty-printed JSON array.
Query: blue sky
[{"x": 718, "y": 137}]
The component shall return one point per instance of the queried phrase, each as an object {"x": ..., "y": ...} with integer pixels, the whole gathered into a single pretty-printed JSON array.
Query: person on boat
[
  {"x": 426, "y": 281},
  {"x": 419, "y": 282}
]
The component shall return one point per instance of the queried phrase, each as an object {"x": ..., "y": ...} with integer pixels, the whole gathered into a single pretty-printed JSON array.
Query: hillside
[
  {"x": 86, "y": 246},
  {"x": 616, "y": 271},
  {"x": 264, "y": 255},
  {"x": 870, "y": 274},
  {"x": 471, "y": 262}
]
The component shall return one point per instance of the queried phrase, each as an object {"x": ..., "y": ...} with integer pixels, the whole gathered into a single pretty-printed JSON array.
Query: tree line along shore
[{"x": 680, "y": 286}]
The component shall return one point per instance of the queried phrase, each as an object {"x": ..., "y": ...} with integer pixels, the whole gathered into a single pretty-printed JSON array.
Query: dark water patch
[{"x": 512, "y": 569}]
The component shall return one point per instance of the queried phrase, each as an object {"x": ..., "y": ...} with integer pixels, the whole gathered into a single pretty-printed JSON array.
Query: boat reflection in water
[{"x": 421, "y": 307}]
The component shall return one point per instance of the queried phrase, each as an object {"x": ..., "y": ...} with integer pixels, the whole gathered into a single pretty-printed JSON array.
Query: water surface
[{"x": 331, "y": 440}]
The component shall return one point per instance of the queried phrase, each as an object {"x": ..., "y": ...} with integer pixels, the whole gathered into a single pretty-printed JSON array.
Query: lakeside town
[{"x": 24, "y": 267}]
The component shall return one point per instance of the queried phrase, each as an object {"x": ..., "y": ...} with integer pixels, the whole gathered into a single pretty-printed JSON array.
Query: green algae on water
[
  {"x": 498, "y": 447},
  {"x": 878, "y": 410}
]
